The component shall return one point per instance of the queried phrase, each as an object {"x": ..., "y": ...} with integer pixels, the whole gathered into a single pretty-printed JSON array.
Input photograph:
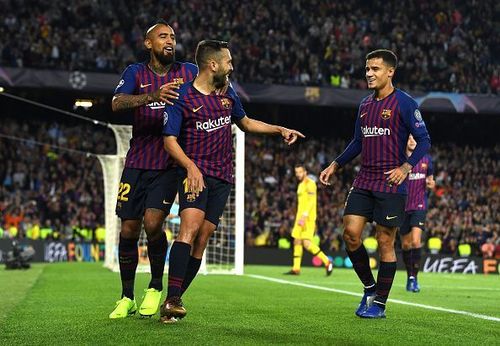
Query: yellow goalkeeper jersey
[{"x": 307, "y": 199}]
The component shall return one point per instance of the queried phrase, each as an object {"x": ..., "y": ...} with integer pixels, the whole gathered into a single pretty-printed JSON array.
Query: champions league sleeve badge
[{"x": 418, "y": 115}]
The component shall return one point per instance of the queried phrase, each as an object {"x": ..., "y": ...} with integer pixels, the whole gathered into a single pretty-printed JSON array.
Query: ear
[
  {"x": 213, "y": 65},
  {"x": 148, "y": 44},
  {"x": 391, "y": 72}
]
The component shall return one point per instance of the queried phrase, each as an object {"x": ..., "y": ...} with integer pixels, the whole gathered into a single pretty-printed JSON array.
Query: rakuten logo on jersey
[
  {"x": 212, "y": 125},
  {"x": 375, "y": 131},
  {"x": 156, "y": 105}
]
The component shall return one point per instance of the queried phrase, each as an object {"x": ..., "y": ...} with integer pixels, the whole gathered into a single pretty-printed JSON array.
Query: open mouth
[{"x": 168, "y": 50}]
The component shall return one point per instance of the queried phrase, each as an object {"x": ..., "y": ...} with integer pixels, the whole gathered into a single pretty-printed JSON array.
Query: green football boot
[
  {"x": 123, "y": 308},
  {"x": 151, "y": 302}
]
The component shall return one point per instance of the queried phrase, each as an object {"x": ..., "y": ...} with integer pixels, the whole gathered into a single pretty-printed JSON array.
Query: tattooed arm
[
  {"x": 123, "y": 102},
  {"x": 166, "y": 92}
]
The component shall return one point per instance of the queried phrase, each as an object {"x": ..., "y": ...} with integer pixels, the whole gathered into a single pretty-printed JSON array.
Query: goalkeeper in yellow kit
[{"x": 305, "y": 222}]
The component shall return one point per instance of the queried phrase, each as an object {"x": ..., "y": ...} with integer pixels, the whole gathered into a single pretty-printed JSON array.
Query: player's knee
[
  {"x": 130, "y": 229},
  {"x": 351, "y": 238},
  {"x": 406, "y": 244},
  {"x": 152, "y": 227},
  {"x": 385, "y": 240},
  {"x": 189, "y": 231}
]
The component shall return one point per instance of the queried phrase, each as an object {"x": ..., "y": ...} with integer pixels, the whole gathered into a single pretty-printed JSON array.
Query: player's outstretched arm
[
  {"x": 195, "y": 182},
  {"x": 166, "y": 93},
  {"x": 247, "y": 124}
]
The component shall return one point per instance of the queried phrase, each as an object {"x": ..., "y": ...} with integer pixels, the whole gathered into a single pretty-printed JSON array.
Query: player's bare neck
[
  {"x": 158, "y": 68},
  {"x": 384, "y": 92},
  {"x": 203, "y": 84}
]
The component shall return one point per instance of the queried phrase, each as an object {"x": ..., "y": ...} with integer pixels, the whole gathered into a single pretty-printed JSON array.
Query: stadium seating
[{"x": 446, "y": 46}]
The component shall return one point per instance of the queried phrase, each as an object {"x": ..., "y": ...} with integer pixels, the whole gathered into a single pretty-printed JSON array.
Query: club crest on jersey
[
  {"x": 386, "y": 114},
  {"x": 178, "y": 80},
  {"x": 190, "y": 197},
  {"x": 225, "y": 103}
]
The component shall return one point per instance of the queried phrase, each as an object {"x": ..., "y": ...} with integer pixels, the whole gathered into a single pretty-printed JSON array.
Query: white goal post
[{"x": 225, "y": 250}]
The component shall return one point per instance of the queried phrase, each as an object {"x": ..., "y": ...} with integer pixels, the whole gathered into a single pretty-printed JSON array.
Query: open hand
[{"x": 166, "y": 93}]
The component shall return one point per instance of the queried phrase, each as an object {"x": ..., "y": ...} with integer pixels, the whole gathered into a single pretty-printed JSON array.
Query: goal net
[{"x": 224, "y": 253}]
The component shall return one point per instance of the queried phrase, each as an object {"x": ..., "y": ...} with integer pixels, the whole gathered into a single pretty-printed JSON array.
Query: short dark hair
[
  {"x": 388, "y": 56},
  {"x": 158, "y": 21},
  {"x": 300, "y": 164},
  {"x": 206, "y": 49}
]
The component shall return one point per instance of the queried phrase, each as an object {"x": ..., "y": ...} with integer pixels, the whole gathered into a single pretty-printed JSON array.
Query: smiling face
[
  {"x": 160, "y": 41},
  {"x": 223, "y": 68},
  {"x": 378, "y": 73}
]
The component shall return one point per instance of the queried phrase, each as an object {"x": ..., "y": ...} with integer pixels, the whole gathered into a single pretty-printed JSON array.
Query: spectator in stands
[
  {"x": 463, "y": 210},
  {"x": 455, "y": 42},
  {"x": 45, "y": 192}
]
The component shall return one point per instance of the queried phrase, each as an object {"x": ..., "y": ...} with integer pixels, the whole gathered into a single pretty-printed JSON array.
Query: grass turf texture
[{"x": 69, "y": 303}]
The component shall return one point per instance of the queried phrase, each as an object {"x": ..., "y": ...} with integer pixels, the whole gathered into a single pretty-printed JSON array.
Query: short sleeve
[
  {"x": 172, "y": 119},
  {"x": 127, "y": 84},
  {"x": 237, "y": 112},
  {"x": 192, "y": 70}
]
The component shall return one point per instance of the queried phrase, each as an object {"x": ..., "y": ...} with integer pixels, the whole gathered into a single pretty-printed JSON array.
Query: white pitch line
[
  {"x": 423, "y": 306},
  {"x": 430, "y": 286}
]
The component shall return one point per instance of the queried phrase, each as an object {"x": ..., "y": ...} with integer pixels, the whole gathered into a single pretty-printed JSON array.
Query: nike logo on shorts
[
  {"x": 390, "y": 217},
  {"x": 165, "y": 202},
  {"x": 420, "y": 223}
]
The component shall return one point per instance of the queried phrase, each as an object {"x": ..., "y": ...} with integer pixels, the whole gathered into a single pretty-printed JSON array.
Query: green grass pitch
[{"x": 69, "y": 303}]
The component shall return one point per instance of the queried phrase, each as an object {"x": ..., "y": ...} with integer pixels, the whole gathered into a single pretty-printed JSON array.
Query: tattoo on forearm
[{"x": 123, "y": 102}]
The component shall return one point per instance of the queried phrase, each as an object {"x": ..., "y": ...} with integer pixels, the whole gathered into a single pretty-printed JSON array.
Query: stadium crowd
[
  {"x": 443, "y": 45},
  {"x": 59, "y": 193},
  {"x": 47, "y": 192},
  {"x": 463, "y": 208}
]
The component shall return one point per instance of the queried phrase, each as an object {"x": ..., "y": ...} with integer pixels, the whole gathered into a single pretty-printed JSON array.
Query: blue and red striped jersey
[
  {"x": 146, "y": 146},
  {"x": 380, "y": 135},
  {"x": 202, "y": 125},
  {"x": 417, "y": 186}
]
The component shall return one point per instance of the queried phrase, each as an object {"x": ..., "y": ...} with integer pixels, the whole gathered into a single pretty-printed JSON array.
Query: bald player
[{"x": 148, "y": 183}]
